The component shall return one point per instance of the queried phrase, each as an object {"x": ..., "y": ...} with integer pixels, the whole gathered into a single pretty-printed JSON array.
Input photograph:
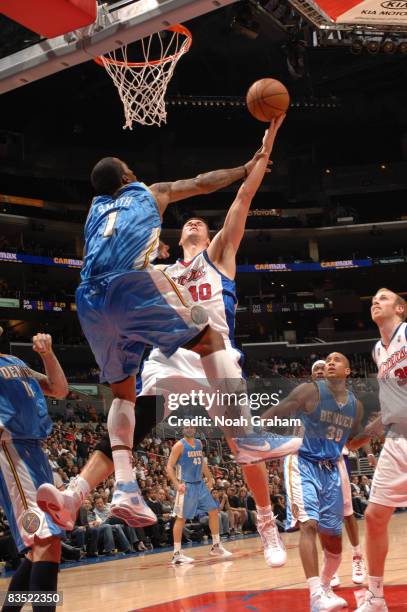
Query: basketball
[{"x": 266, "y": 99}]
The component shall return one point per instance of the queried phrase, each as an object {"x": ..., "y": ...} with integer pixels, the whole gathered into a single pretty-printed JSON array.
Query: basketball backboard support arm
[{"x": 113, "y": 29}]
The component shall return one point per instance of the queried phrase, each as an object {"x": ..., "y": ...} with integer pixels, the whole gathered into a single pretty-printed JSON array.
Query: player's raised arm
[
  {"x": 53, "y": 382},
  {"x": 303, "y": 398},
  {"x": 227, "y": 241},
  {"x": 166, "y": 193}
]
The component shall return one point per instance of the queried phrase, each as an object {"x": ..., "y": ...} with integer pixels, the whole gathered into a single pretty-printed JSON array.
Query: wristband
[{"x": 246, "y": 174}]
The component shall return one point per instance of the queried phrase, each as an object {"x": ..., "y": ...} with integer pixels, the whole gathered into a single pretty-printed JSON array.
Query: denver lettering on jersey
[
  {"x": 393, "y": 360},
  {"x": 336, "y": 418},
  {"x": 195, "y": 453},
  {"x": 15, "y": 371}
]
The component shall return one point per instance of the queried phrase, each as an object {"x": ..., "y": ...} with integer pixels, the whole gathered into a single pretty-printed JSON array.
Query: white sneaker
[
  {"x": 372, "y": 604},
  {"x": 335, "y": 582},
  {"x": 217, "y": 550},
  {"x": 358, "y": 570},
  {"x": 255, "y": 447},
  {"x": 179, "y": 559},
  {"x": 274, "y": 550},
  {"x": 322, "y": 601},
  {"x": 340, "y": 601},
  {"x": 128, "y": 504},
  {"x": 62, "y": 506}
]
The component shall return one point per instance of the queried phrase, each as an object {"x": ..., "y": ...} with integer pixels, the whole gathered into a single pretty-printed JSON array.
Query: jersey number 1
[
  {"x": 111, "y": 222},
  {"x": 28, "y": 389}
]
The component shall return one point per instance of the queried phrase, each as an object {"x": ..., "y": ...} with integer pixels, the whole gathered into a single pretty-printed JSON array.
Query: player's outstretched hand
[
  {"x": 42, "y": 344},
  {"x": 266, "y": 145},
  {"x": 271, "y": 134}
]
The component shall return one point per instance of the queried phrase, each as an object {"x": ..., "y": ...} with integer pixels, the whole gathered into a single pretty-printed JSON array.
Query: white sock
[
  {"x": 123, "y": 470},
  {"x": 120, "y": 424},
  {"x": 329, "y": 567},
  {"x": 356, "y": 551},
  {"x": 215, "y": 539},
  {"x": 314, "y": 584},
  {"x": 177, "y": 547},
  {"x": 80, "y": 486},
  {"x": 375, "y": 585}
]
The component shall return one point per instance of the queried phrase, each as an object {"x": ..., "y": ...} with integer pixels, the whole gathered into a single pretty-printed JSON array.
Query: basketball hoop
[{"x": 142, "y": 84}]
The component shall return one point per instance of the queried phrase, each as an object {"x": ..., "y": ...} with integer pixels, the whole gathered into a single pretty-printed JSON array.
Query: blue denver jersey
[
  {"x": 327, "y": 428},
  {"x": 121, "y": 233},
  {"x": 189, "y": 465},
  {"x": 23, "y": 408}
]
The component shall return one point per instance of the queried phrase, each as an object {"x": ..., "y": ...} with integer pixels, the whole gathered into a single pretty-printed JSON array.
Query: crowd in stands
[{"x": 96, "y": 532}]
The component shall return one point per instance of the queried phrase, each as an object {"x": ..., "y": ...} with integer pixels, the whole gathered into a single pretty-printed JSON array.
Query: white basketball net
[{"x": 142, "y": 85}]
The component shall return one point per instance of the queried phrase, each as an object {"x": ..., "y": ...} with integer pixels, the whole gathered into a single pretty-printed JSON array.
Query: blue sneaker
[
  {"x": 256, "y": 447},
  {"x": 128, "y": 504}
]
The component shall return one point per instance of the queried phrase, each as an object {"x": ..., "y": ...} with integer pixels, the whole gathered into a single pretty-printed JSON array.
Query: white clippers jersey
[
  {"x": 392, "y": 376},
  {"x": 216, "y": 293},
  {"x": 210, "y": 288}
]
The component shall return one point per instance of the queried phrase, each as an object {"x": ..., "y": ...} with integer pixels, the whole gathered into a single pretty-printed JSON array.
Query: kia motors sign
[{"x": 369, "y": 12}]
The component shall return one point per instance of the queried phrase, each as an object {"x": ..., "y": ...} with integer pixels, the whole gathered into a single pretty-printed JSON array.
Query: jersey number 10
[{"x": 201, "y": 293}]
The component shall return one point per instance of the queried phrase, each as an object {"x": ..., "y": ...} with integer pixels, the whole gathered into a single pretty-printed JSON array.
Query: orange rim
[{"x": 102, "y": 60}]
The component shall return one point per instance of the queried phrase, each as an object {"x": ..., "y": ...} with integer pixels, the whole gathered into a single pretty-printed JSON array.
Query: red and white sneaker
[
  {"x": 62, "y": 506},
  {"x": 358, "y": 570},
  {"x": 274, "y": 550},
  {"x": 128, "y": 504}
]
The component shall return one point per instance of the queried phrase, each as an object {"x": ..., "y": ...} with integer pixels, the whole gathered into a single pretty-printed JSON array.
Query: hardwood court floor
[{"x": 241, "y": 582}]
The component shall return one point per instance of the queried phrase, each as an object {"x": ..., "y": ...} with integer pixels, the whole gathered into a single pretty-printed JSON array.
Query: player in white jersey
[
  {"x": 352, "y": 529},
  {"x": 208, "y": 270},
  {"x": 389, "y": 487}
]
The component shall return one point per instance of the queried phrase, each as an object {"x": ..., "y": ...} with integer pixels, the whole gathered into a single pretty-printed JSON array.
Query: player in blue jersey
[
  {"x": 330, "y": 415},
  {"x": 351, "y": 524},
  {"x": 185, "y": 468},
  {"x": 24, "y": 423},
  {"x": 123, "y": 303}
]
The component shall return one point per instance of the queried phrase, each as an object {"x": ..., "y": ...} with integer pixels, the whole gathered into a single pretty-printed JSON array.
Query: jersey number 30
[{"x": 333, "y": 433}]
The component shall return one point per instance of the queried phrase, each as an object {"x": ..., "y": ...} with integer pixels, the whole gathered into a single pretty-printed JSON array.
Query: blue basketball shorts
[
  {"x": 23, "y": 468},
  {"x": 120, "y": 315},
  {"x": 314, "y": 492},
  {"x": 195, "y": 501}
]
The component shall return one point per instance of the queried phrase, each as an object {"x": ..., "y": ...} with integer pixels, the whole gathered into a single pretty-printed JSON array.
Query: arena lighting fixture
[
  {"x": 403, "y": 47},
  {"x": 357, "y": 46},
  {"x": 244, "y": 23},
  {"x": 389, "y": 47},
  {"x": 373, "y": 46}
]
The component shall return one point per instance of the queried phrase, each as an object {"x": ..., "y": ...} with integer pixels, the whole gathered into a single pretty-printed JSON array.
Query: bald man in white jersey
[{"x": 389, "y": 487}]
